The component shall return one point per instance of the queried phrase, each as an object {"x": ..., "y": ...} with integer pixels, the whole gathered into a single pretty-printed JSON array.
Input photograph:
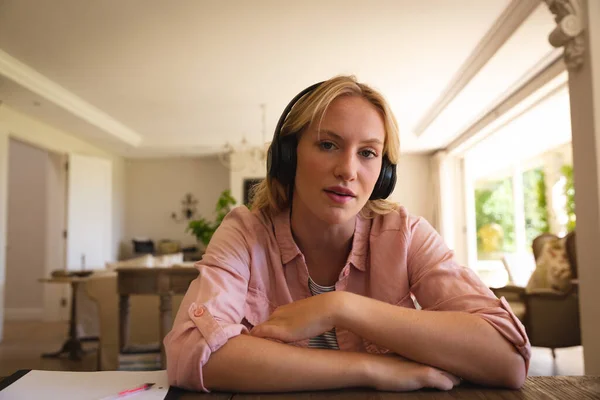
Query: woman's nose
[{"x": 346, "y": 167}]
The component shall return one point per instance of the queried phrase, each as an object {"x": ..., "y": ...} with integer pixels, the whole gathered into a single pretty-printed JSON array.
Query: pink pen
[{"x": 130, "y": 392}]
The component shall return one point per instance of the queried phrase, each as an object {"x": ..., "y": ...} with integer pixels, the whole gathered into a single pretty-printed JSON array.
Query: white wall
[
  {"x": 3, "y": 213},
  {"x": 414, "y": 185},
  {"x": 22, "y": 127},
  {"x": 26, "y": 231},
  {"x": 118, "y": 205},
  {"x": 156, "y": 187}
]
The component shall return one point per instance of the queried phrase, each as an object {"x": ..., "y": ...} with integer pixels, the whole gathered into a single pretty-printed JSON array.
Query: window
[{"x": 512, "y": 208}]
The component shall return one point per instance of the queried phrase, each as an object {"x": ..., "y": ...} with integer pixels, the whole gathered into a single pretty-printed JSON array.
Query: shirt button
[{"x": 199, "y": 312}]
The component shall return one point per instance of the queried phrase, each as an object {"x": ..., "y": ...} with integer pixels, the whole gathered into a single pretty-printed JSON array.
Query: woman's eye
[
  {"x": 326, "y": 145},
  {"x": 368, "y": 153}
]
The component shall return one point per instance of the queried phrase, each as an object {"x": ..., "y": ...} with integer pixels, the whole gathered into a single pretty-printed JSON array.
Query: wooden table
[
  {"x": 537, "y": 387},
  {"x": 72, "y": 346},
  {"x": 163, "y": 282}
]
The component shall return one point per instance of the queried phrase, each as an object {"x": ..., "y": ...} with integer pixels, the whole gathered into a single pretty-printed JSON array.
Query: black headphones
[{"x": 281, "y": 158}]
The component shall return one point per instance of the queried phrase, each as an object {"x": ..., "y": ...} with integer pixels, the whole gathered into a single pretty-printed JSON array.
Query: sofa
[{"x": 100, "y": 290}]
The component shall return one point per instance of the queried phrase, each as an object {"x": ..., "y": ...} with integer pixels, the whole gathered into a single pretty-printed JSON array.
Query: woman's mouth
[{"x": 338, "y": 197}]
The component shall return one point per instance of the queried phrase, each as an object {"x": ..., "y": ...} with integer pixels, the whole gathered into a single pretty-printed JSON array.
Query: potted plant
[{"x": 204, "y": 229}]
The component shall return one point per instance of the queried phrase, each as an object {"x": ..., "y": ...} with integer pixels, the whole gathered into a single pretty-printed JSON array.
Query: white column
[
  {"x": 519, "y": 209},
  {"x": 448, "y": 185},
  {"x": 444, "y": 189},
  {"x": 3, "y": 217},
  {"x": 582, "y": 56},
  {"x": 470, "y": 217},
  {"x": 458, "y": 220}
]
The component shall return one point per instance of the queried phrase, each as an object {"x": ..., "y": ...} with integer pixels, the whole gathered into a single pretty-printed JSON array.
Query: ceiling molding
[
  {"x": 569, "y": 29},
  {"x": 29, "y": 78},
  {"x": 504, "y": 27},
  {"x": 536, "y": 88}
]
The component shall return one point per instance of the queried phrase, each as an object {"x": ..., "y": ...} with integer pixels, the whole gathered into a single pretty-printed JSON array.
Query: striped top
[{"x": 327, "y": 340}]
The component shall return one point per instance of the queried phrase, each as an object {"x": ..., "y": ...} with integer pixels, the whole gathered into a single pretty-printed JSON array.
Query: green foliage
[
  {"x": 536, "y": 207},
  {"x": 202, "y": 228},
  {"x": 567, "y": 171},
  {"x": 494, "y": 205}
]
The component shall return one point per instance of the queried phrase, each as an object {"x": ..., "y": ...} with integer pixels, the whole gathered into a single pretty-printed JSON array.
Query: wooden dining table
[
  {"x": 535, "y": 388},
  {"x": 158, "y": 281}
]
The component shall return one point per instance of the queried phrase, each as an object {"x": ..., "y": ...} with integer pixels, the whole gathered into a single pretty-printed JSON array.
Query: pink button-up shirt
[{"x": 252, "y": 266}]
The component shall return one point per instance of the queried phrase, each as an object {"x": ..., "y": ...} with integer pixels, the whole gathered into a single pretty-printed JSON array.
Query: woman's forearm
[
  {"x": 249, "y": 364},
  {"x": 460, "y": 343}
]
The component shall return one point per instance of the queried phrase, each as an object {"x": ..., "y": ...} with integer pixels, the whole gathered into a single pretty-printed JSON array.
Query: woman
[{"x": 323, "y": 262}]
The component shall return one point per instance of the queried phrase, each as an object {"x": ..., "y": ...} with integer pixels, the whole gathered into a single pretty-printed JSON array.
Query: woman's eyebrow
[{"x": 338, "y": 137}]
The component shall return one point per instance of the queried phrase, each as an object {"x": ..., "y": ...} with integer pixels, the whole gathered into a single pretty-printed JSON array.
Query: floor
[{"x": 24, "y": 342}]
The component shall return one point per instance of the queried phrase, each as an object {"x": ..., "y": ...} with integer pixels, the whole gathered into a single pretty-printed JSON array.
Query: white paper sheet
[{"x": 65, "y": 385}]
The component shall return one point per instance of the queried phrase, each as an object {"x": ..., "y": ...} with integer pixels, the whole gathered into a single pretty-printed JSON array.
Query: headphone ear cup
[
  {"x": 386, "y": 182},
  {"x": 281, "y": 160},
  {"x": 288, "y": 158},
  {"x": 391, "y": 181}
]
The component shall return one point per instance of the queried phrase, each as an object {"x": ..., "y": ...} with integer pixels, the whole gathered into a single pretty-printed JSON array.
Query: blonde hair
[{"x": 272, "y": 196}]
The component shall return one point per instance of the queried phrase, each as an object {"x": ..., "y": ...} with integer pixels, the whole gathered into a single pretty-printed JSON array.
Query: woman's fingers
[
  {"x": 262, "y": 331},
  {"x": 443, "y": 380},
  {"x": 455, "y": 379},
  {"x": 270, "y": 331}
]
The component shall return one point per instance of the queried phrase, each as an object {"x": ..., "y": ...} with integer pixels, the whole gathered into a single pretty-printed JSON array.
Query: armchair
[{"x": 550, "y": 317}]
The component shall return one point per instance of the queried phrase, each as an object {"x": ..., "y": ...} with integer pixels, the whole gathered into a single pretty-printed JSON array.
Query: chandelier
[{"x": 244, "y": 156}]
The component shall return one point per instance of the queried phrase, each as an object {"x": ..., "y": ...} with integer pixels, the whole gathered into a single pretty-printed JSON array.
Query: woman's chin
[{"x": 338, "y": 215}]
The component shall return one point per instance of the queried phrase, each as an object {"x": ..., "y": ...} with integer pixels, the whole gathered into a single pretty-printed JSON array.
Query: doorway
[{"x": 36, "y": 222}]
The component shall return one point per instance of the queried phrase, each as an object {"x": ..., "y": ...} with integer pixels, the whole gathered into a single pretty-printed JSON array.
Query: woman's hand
[
  {"x": 301, "y": 319},
  {"x": 397, "y": 374}
]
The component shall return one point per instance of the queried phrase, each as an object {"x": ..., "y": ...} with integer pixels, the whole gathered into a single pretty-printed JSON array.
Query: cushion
[{"x": 552, "y": 268}]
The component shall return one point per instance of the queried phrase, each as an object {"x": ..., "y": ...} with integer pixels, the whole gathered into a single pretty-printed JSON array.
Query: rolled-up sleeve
[
  {"x": 213, "y": 307},
  {"x": 440, "y": 283}
]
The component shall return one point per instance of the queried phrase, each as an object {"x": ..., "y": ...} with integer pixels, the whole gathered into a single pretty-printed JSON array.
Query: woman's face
[{"x": 338, "y": 165}]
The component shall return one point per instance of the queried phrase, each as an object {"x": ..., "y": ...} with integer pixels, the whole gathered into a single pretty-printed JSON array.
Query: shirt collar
[
  {"x": 360, "y": 243},
  {"x": 289, "y": 250},
  {"x": 283, "y": 234}
]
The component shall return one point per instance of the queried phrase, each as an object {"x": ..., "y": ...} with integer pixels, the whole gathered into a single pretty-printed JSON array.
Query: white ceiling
[
  {"x": 189, "y": 75},
  {"x": 543, "y": 128}
]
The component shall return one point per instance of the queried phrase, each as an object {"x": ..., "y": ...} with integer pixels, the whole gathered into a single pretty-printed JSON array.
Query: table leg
[
  {"x": 123, "y": 321},
  {"x": 166, "y": 321},
  {"x": 72, "y": 346}
]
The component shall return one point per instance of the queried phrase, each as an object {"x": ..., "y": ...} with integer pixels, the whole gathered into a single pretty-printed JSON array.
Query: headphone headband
[{"x": 289, "y": 107}]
